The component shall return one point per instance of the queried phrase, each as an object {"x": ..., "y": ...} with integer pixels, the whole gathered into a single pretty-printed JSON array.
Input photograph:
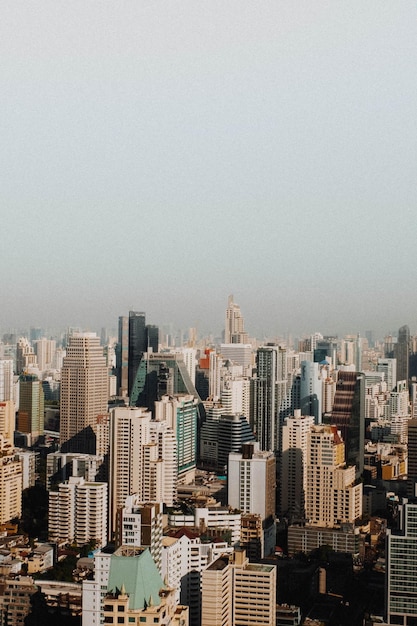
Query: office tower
[
  {"x": 6, "y": 379},
  {"x": 45, "y": 352},
  {"x": 78, "y": 512},
  {"x": 295, "y": 433},
  {"x": 160, "y": 374},
  {"x": 235, "y": 591},
  {"x": 264, "y": 398},
  {"x": 402, "y": 353},
  {"x": 180, "y": 413},
  {"x": 239, "y": 353},
  {"x": 138, "y": 345},
  {"x": 122, "y": 356},
  {"x": 401, "y": 568},
  {"x": 234, "y": 326},
  {"x": 152, "y": 338},
  {"x": 220, "y": 435},
  {"x": 332, "y": 497},
  {"x": 30, "y": 417},
  {"x": 25, "y": 356},
  {"x": 271, "y": 396},
  {"x": 348, "y": 414},
  {"x": 251, "y": 481},
  {"x": 311, "y": 386},
  {"x": 84, "y": 393}
]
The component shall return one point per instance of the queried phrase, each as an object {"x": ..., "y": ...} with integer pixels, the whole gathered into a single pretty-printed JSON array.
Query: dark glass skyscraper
[
  {"x": 137, "y": 344},
  {"x": 402, "y": 353}
]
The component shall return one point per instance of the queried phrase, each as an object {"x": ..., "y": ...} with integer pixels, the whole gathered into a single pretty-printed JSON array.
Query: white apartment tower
[
  {"x": 78, "y": 512},
  {"x": 84, "y": 392},
  {"x": 129, "y": 433},
  {"x": 251, "y": 481}
]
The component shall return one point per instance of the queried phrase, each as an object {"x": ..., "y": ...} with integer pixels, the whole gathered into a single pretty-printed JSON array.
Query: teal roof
[{"x": 140, "y": 577}]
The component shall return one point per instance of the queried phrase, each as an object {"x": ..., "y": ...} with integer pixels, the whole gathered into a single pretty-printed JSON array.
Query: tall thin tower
[
  {"x": 402, "y": 352},
  {"x": 234, "y": 331},
  {"x": 84, "y": 392}
]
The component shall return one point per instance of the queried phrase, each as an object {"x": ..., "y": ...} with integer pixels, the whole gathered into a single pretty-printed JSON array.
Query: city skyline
[{"x": 160, "y": 156}]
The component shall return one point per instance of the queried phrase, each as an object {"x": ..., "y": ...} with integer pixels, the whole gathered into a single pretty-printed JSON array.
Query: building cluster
[{"x": 180, "y": 465}]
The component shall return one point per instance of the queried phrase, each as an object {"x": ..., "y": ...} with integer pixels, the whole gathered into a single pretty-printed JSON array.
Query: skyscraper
[
  {"x": 137, "y": 344},
  {"x": 295, "y": 435},
  {"x": 332, "y": 497},
  {"x": 234, "y": 327},
  {"x": 271, "y": 400},
  {"x": 348, "y": 414},
  {"x": 135, "y": 338},
  {"x": 6, "y": 379},
  {"x": 122, "y": 356},
  {"x": 402, "y": 353},
  {"x": 84, "y": 392},
  {"x": 311, "y": 386},
  {"x": 30, "y": 418}
]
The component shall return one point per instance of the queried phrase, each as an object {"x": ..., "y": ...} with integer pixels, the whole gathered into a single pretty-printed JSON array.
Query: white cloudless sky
[{"x": 159, "y": 155}]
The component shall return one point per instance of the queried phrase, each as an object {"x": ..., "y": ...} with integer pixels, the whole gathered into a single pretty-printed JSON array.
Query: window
[{"x": 120, "y": 608}]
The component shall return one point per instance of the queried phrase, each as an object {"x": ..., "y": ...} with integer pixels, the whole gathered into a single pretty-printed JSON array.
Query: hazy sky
[{"x": 159, "y": 155}]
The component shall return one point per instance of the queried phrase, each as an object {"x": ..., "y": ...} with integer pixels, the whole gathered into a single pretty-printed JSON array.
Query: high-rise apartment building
[
  {"x": 180, "y": 412},
  {"x": 129, "y": 433},
  {"x": 235, "y": 591},
  {"x": 332, "y": 497},
  {"x": 251, "y": 481},
  {"x": 10, "y": 488},
  {"x": 293, "y": 484},
  {"x": 78, "y": 512},
  {"x": 84, "y": 392}
]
